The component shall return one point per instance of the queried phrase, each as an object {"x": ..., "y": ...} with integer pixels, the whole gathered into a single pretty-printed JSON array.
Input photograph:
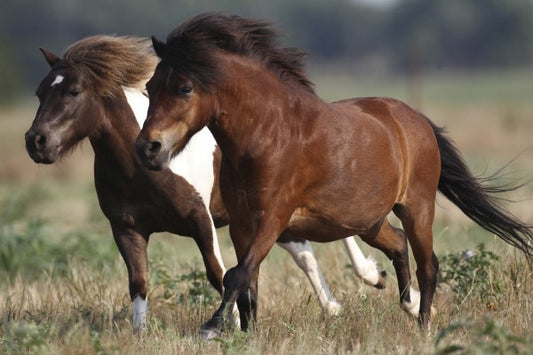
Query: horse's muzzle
[
  {"x": 38, "y": 148},
  {"x": 151, "y": 154}
]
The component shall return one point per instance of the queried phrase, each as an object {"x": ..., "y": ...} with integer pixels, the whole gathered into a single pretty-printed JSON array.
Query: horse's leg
[
  {"x": 365, "y": 268},
  {"x": 132, "y": 247},
  {"x": 302, "y": 252},
  {"x": 251, "y": 249},
  {"x": 393, "y": 243},
  {"x": 417, "y": 219},
  {"x": 247, "y": 302},
  {"x": 207, "y": 241}
]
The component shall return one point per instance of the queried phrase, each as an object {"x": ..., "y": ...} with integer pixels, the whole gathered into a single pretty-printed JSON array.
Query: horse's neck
[
  {"x": 114, "y": 146},
  {"x": 279, "y": 113},
  {"x": 114, "y": 143}
]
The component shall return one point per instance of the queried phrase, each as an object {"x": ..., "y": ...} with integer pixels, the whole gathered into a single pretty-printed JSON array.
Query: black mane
[{"x": 189, "y": 48}]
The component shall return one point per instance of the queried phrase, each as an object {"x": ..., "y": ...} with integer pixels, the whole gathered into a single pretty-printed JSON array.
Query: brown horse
[
  {"x": 96, "y": 91},
  {"x": 295, "y": 165}
]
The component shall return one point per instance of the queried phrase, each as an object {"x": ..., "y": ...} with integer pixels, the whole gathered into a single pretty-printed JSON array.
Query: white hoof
[{"x": 333, "y": 308}]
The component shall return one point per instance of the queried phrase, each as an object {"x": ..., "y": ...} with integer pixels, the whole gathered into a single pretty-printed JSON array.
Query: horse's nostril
[
  {"x": 39, "y": 141},
  {"x": 152, "y": 149}
]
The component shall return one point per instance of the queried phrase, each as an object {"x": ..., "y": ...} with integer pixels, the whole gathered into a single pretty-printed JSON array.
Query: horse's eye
[
  {"x": 186, "y": 90},
  {"x": 73, "y": 93}
]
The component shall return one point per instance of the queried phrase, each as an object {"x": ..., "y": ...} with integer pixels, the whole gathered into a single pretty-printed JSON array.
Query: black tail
[{"x": 477, "y": 201}]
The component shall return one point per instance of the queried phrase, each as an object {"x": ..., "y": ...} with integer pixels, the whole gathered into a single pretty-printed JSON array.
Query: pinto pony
[
  {"x": 300, "y": 167},
  {"x": 97, "y": 91}
]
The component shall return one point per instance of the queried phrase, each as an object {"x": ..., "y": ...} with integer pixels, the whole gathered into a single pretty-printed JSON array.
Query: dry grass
[
  {"x": 76, "y": 305},
  {"x": 87, "y": 311}
]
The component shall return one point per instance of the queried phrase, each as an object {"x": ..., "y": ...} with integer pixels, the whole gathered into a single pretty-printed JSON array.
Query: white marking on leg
[
  {"x": 412, "y": 307},
  {"x": 304, "y": 256},
  {"x": 365, "y": 268},
  {"x": 139, "y": 307},
  {"x": 57, "y": 80}
]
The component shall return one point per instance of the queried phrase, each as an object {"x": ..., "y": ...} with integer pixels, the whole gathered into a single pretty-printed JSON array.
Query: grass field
[{"x": 64, "y": 285}]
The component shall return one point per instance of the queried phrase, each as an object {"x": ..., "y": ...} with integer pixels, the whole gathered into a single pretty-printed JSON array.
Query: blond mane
[{"x": 112, "y": 62}]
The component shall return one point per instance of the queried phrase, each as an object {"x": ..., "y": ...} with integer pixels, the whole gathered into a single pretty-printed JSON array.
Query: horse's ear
[
  {"x": 159, "y": 46},
  {"x": 50, "y": 57}
]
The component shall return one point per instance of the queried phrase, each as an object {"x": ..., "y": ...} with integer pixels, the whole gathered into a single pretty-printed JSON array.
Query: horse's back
[
  {"x": 379, "y": 145},
  {"x": 413, "y": 135}
]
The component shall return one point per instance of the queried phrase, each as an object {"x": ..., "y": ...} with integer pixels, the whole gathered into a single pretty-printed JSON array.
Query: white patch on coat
[
  {"x": 138, "y": 103},
  {"x": 57, "y": 80},
  {"x": 195, "y": 162}
]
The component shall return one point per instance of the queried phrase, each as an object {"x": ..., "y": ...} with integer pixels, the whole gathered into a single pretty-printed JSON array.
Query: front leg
[
  {"x": 241, "y": 278},
  {"x": 132, "y": 246}
]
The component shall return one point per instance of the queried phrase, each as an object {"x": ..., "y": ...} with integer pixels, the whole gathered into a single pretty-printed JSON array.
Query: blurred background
[
  {"x": 380, "y": 37},
  {"x": 467, "y": 64}
]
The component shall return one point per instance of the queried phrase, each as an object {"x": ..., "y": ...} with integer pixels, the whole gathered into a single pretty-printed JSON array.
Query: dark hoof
[
  {"x": 382, "y": 280},
  {"x": 209, "y": 334}
]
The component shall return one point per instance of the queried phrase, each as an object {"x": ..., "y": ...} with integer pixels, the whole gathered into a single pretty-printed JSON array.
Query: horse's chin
[
  {"x": 154, "y": 166},
  {"x": 157, "y": 163},
  {"x": 41, "y": 158}
]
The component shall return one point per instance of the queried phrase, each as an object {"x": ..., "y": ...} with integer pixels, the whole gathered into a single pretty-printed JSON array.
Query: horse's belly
[{"x": 318, "y": 228}]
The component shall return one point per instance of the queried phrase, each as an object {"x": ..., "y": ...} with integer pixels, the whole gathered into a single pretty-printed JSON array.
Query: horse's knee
[
  {"x": 237, "y": 279},
  {"x": 302, "y": 253},
  {"x": 305, "y": 259}
]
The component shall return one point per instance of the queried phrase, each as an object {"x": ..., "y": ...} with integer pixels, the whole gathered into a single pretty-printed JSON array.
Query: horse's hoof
[
  {"x": 382, "y": 280},
  {"x": 333, "y": 308},
  {"x": 209, "y": 334}
]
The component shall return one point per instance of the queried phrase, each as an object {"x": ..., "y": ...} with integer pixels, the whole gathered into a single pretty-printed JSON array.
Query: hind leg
[
  {"x": 417, "y": 220},
  {"x": 304, "y": 256},
  {"x": 393, "y": 243},
  {"x": 365, "y": 268}
]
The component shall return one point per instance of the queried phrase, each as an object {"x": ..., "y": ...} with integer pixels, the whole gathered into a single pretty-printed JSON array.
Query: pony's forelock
[{"x": 111, "y": 62}]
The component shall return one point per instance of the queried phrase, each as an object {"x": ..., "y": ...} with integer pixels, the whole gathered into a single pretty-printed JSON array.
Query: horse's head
[
  {"x": 178, "y": 109},
  {"x": 65, "y": 112}
]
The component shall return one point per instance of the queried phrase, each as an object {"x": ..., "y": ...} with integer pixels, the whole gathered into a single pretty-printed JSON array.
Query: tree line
[{"x": 423, "y": 33}]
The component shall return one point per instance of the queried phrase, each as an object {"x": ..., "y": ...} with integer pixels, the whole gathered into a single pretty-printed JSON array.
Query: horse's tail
[{"x": 477, "y": 201}]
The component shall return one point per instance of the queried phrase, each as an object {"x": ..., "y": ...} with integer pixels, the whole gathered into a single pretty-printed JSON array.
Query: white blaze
[{"x": 58, "y": 80}]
